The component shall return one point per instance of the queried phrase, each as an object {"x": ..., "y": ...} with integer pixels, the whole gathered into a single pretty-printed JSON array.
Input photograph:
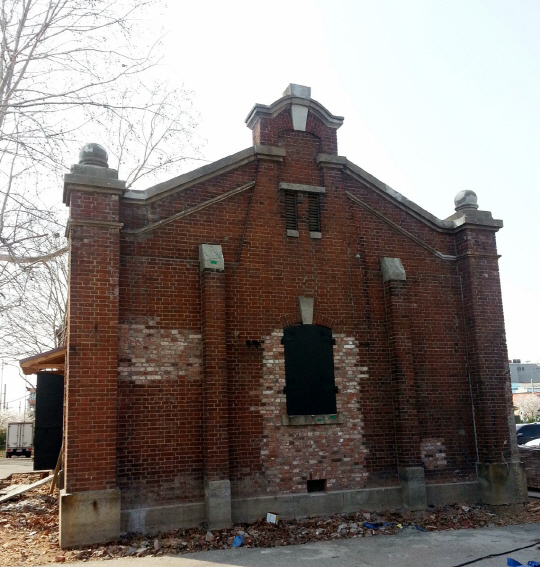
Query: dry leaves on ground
[{"x": 29, "y": 530}]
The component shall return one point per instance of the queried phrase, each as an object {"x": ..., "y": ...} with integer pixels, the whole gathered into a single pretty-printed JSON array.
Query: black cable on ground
[{"x": 497, "y": 554}]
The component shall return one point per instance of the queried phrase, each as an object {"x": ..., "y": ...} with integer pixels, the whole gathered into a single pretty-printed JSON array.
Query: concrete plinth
[
  {"x": 89, "y": 517},
  {"x": 217, "y": 499},
  {"x": 502, "y": 483},
  {"x": 413, "y": 488}
]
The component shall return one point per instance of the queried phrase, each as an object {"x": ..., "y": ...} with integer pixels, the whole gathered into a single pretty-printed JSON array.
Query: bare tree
[
  {"x": 72, "y": 71},
  {"x": 528, "y": 407}
]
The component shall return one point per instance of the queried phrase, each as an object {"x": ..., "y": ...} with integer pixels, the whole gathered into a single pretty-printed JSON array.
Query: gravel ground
[{"x": 29, "y": 530}]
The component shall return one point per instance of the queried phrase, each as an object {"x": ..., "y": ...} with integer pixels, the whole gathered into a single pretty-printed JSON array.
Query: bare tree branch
[{"x": 72, "y": 72}]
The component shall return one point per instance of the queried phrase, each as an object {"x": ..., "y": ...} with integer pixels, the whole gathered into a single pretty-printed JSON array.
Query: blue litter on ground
[
  {"x": 513, "y": 563},
  {"x": 238, "y": 541}
]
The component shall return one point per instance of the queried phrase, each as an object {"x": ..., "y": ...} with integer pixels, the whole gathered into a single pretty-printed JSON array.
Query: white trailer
[{"x": 20, "y": 439}]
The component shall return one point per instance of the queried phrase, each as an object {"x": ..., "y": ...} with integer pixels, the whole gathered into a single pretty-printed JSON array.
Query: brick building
[{"x": 278, "y": 331}]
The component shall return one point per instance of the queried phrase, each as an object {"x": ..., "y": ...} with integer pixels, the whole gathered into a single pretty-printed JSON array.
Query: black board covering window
[{"x": 309, "y": 370}]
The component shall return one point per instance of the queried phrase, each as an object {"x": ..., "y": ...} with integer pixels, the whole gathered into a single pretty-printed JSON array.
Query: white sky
[{"x": 437, "y": 96}]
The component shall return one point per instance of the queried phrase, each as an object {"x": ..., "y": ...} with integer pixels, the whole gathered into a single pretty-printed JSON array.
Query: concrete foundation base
[
  {"x": 502, "y": 483},
  {"x": 290, "y": 506},
  {"x": 217, "y": 500},
  {"x": 413, "y": 487},
  {"x": 89, "y": 517}
]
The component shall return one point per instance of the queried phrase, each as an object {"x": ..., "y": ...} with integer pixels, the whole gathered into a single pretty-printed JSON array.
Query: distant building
[{"x": 525, "y": 376}]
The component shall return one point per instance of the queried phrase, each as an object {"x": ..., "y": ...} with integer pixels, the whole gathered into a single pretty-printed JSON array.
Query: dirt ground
[{"x": 29, "y": 530}]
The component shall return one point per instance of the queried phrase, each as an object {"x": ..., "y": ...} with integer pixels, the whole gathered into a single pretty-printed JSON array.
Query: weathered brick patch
[
  {"x": 147, "y": 352},
  {"x": 292, "y": 455},
  {"x": 433, "y": 453}
]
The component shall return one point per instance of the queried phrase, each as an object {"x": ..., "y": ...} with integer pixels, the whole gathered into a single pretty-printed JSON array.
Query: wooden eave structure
[{"x": 52, "y": 361}]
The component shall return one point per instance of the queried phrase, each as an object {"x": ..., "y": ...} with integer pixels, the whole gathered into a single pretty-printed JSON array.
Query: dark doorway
[{"x": 49, "y": 420}]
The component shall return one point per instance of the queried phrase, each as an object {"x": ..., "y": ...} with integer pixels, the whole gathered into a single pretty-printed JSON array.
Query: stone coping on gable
[{"x": 205, "y": 172}]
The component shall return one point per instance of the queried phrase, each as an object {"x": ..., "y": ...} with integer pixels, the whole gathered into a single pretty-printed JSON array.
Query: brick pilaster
[
  {"x": 215, "y": 401},
  {"x": 404, "y": 392},
  {"x": 404, "y": 398},
  {"x": 500, "y": 473},
  {"x": 90, "y": 504}
]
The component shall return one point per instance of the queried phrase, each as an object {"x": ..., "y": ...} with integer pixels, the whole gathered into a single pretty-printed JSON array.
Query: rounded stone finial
[
  {"x": 466, "y": 200},
  {"x": 93, "y": 154}
]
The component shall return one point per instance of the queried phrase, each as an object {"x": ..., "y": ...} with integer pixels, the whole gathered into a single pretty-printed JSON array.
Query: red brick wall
[
  {"x": 92, "y": 357},
  {"x": 159, "y": 371},
  {"x": 531, "y": 459}
]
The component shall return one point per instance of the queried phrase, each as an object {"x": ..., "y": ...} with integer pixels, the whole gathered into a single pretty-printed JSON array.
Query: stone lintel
[
  {"x": 302, "y": 188},
  {"x": 413, "y": 488},
  {"x": 211, "y": 257},
  {"x": 89, "y": 517},
  {"x": 217, "y": 499},
  {"x": 306, "y": 309},
  {"x": 392, "y": 270}
]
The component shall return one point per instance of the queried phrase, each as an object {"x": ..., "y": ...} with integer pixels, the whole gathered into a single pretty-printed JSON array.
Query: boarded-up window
[{"x": 309, "y": 370}]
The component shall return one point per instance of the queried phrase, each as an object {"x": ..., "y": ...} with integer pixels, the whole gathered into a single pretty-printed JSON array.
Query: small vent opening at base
[{"x": 318, "y": 485}]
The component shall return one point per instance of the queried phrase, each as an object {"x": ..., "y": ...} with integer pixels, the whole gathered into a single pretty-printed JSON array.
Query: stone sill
[
  {"x": 324, "y": 419},
  {"x": 293, "y": 233}
]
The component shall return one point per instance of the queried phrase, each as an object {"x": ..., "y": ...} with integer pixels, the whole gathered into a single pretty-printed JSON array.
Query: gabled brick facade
[{"x": 176, "y": 411}]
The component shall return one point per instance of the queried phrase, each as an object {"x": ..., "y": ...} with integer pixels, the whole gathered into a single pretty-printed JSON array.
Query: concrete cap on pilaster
[
  {"x": 468, "y": 215},
  {"x": 211, "y": 257},
  {"x": 92, "y": 173},
  {"x": 392, "y": 270}
]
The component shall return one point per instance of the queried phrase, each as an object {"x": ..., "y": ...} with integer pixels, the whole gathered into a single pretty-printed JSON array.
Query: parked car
[
  {"x": 527, "y": 432},
  {"x": 534, "y": 444}
]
